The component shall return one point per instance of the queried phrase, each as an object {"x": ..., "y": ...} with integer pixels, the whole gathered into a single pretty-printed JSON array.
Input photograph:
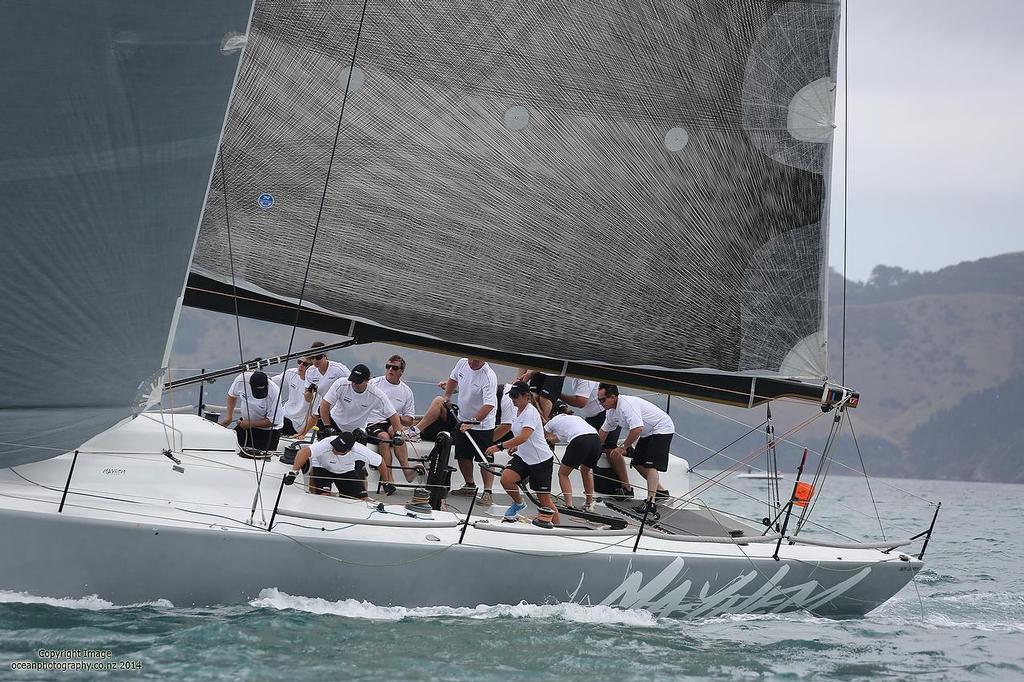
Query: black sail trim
[{"x": 730, "y": 389}]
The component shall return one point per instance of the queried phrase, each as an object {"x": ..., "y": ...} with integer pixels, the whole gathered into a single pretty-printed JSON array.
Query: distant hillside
[{"x": 937, "y": 356}]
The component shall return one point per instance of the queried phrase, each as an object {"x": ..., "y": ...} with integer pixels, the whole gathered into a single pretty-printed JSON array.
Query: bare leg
[
  {"x": 545, "y": 500},
  {"x": 510, "y": 482},
  {"x": 588, "y": 482},
  {"x": 385, "y": 466},
  {"x": 488, "y": 479},
  {"x": 466, "y": 466},
  {"x": 402, "y": 453},
  {"x": 564, "y": 470},
  {"x": 432, "y": 414},
  {"x": 619, "y": 465},
  {"x": 653, "y": 480}
]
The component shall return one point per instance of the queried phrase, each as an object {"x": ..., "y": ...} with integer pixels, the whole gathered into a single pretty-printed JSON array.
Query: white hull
[{"x": 134, "y": 530}]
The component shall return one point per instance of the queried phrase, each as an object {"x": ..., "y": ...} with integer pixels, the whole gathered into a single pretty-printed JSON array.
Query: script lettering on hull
[{"x": 666, "y": 594}]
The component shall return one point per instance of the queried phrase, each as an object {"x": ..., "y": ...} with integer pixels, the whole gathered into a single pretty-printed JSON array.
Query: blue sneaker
[{"x": 514, "y": 511}]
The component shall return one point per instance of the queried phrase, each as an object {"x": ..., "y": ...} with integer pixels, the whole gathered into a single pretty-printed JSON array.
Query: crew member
[
  {"x": 262, "y": 417},
  {"x": 582, "y": 395},
  {"x": 299, "y": 413},
  {"x": 582, "y": 452},
  {"x": 647, "y": 441},
  {"x": 531, "y": 460},
  {"x": 547, "y": 387},
  {"x": 404, "y": 403},
  {"x": 349, "y": 404},
  {"x": 336, "y": 461}
]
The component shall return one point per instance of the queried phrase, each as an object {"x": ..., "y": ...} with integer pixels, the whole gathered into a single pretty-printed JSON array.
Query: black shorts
[
  {"x": 261, "y": 439},
  {"x": 547, "y": 385},
  {"x": 585, "y": 450},
  {"x": 289, "y": 428},
  {"x": 465, "y": 450},
  {"x": 538, "y": 475},
  {"x": 375, "y": 429},
  {"x": 652, "y": 451},
  {"x": 348, "y": 484},
  {"x": 612, "y": 439}
]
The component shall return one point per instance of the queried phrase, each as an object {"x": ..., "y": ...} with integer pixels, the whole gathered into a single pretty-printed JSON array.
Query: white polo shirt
[
  {"x": 324, "y": 382},
  {"x": 584, "y": 388},
  {"x": 631, "y": 412},
  {"x": 476, "y": 388},
  {"x": 568, "y": 426},
  {"x": 352, "y": 410},
  {"x": 399, "y": 394},
  {"x": 535, "y": 450},
  {"x": 295, "y": 406},
  {"x": 323, "y": 455},
  {"x": 257, "y": 408}
]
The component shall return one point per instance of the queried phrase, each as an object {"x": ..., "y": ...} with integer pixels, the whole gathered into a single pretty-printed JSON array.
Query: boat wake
[
  {"x": 273, "y": 598},
  {"x": 89, "y": 603}
]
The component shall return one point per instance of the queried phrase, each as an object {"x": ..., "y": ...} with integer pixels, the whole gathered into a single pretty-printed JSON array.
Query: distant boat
[{"x": 761, "y": 475}]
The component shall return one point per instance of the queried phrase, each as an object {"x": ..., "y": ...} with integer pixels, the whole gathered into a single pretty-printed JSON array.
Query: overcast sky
[{"x": 936, "y": 91}]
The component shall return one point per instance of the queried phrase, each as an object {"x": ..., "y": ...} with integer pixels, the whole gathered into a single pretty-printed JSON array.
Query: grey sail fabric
[
  {"x": 632, "y": 184},
  {"x": 111, "y": 116}
]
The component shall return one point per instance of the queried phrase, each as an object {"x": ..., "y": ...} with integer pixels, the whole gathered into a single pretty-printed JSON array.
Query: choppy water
[{"x": 962, "y": 619}]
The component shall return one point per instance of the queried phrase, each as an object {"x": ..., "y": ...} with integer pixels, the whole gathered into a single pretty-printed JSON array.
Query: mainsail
[
  {"x": 640, "y": 186},
  {"x": 112, "y": 112}
]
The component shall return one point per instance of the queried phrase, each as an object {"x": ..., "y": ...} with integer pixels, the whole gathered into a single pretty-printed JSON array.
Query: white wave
[
  {"x": 351, "y": 608},
  {"x": 89, "y": 603}
]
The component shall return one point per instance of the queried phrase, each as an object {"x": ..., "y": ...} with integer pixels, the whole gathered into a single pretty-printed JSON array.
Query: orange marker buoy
[{"x": 802, "y": 493}]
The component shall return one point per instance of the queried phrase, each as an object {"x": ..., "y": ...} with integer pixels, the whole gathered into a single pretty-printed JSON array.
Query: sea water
[{"x": 962, "y": 618}]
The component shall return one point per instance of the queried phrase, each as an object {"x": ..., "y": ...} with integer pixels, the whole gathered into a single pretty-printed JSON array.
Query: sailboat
[{"x": 633, "y": 193}]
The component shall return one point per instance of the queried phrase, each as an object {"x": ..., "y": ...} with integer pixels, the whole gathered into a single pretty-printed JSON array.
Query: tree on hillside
[{"x": 885, "y": 276}]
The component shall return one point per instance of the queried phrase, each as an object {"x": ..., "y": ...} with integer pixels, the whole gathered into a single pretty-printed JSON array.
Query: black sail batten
[{"x": 731, "y": 389}]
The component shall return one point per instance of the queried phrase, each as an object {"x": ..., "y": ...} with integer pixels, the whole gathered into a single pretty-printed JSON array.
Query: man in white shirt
[
  {"x": 262, "y": 417},
  {"x": 349, "y": 404},
  {"x": 478, "y": 387},
  {"x": 325, "y": 372},
  {"x": 648, "y": 439},
  {"x": 335, "y": 461},
  {"x": 402, "y": 399},
  {"x": 583, "y": 396},
  {"x": 299, "y": 413}
]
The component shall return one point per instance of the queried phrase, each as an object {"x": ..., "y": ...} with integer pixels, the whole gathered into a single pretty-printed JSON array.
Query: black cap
[
  {"x": 259, "y": 384},
  {"x": 360, "y": 373},
  {"x": 518, "y": 388},
  {"x": 344, "y": 441}
]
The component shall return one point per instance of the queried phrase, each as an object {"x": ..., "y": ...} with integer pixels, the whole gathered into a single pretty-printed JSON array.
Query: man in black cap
[
  {"x": 262, "y": 417},
  {"x": 335, "y": 461},
  {"x": 349, "y": 404}
]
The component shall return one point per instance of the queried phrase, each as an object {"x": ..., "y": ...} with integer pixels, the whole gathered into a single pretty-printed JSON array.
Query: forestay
[{"x": 650, "y": 178}]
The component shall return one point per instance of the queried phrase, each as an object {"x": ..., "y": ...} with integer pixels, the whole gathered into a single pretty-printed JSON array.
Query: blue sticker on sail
[{"x": 266, "y": 200}]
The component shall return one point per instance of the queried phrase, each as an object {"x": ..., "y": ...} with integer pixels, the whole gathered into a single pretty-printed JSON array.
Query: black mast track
[{"x": 730, "y": 389}]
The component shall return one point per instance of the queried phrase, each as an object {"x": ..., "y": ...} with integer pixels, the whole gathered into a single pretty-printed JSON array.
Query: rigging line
[
  {"x": 846, "y": 172},
  {"x": 231, "y": 253},
  {"x": 726, "y": 447},
  {"x": 867, "y": 480}
]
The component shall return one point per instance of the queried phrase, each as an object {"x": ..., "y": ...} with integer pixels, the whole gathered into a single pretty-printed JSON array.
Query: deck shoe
[
  {"x": 662, "y": 495},
  {"x": 486, "y": 500},
  {"x": 514, "y": 510},
  {"x": 647, "y": 507},
  {"x": 465, "y": 491},
  {"x": 390, "y": 488},
  {"x": 622, "y": 494},
  {"x": 589, "y": 506},
  {"x": 412, "y": 434}
]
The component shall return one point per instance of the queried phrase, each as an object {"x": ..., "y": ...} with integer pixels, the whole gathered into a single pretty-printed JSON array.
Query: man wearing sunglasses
[
  {"x": 401, "y": 397},
  {"x": 325, "y": 372},
  {"x": 648, "y": 439}
]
